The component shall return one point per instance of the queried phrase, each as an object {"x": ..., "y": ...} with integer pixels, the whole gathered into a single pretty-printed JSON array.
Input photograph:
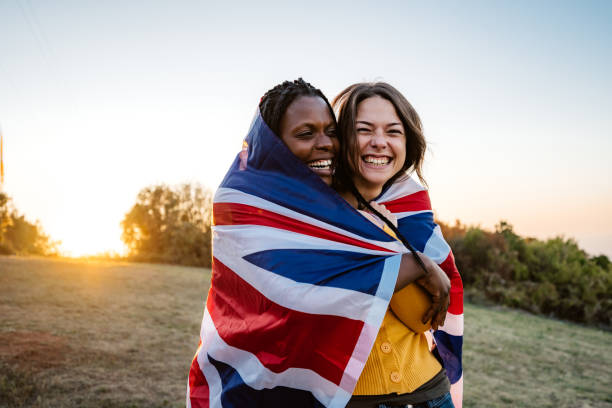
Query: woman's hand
[
  {"x": 437, "y": 284},
  {"x": 384, "y": 212}
]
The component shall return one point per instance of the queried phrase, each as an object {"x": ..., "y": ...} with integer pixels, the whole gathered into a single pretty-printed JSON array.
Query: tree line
[{"x": 553, "y": 277}]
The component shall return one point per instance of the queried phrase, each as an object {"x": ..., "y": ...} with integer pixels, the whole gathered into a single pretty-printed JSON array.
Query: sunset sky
[{"x": 100, "y": 99}]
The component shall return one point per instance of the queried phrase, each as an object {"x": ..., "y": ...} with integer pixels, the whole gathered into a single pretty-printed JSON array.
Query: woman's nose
[
  {"x": 323, "y": 142},
  {"x": 378, "y": 139}
]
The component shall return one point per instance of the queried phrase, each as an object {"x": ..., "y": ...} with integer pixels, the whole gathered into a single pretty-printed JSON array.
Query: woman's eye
[
  {"x": 363, "y": 130},
  {"x": 304, "y": 134},
  {"x": 331, "y": 132}
]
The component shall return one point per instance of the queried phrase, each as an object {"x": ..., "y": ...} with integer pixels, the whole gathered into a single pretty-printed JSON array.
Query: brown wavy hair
[{"x": 346, "y": 103}]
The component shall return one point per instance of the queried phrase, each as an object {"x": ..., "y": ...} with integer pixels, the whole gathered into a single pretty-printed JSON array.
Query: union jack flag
[{"x": 300, "y": 285}]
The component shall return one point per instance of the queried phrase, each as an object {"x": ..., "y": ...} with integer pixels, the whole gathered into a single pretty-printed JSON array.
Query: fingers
[
  {"x": 384, "y": 212},
  {"x": 381, "y": 209},
  {"x": 440, "y": 317},
  {"x": 436, "y": 314},
  {"x": 428, "y": 314}
]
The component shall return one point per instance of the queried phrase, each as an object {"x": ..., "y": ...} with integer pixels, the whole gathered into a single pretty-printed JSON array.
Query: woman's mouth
[
  {"x": 376, "y": 161},
  {"x": 320, "y": 165}
]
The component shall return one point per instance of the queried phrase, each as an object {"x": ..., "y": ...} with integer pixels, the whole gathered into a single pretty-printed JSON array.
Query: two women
[{"x": 301, "y": 282}]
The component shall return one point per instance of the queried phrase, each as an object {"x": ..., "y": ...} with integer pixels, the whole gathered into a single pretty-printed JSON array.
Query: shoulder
[{"x": 404, "y": 186}]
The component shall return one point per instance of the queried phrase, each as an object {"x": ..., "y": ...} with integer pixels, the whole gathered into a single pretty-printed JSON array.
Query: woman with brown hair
[{"x": 382, "y": 141}]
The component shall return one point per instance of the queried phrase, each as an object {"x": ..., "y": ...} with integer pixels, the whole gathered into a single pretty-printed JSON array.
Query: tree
[
  {"x": 19, "y": 236},
  {"x": 170, "y": 225}
]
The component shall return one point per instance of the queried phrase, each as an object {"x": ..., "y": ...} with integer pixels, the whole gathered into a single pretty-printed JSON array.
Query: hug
[{"x": 331, "y": 285}]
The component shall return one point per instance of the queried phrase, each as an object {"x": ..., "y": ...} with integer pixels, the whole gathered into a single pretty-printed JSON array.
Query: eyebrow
[
  {"x": 370, "y": 124},
  {"x": 309, "y": 125}
]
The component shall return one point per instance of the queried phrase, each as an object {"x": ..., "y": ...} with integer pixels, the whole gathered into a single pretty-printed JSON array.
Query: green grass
[
  {"x": 512, "y": 358},
  {"x": 74, "y": 333}
]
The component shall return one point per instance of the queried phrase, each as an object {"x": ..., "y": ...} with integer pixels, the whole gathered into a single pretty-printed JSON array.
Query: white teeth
[
  {"x": 320, "y": 164},
  {"x": 379, "y": 161}
]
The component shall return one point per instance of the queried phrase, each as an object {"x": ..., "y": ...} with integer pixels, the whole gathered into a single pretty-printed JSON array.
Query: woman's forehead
[
  {"x": 375, "y": 110},
  {"x": 307, "y": 108}
]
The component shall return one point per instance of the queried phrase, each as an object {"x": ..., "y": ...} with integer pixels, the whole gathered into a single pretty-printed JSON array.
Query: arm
[
  {"x": 435, "y": 282},
  {"x": 410, "y": 305}
]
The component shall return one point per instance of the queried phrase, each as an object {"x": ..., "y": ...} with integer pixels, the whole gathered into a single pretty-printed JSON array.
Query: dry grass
[
  {"x": 123, "y": 335},
  {"x": 97, "y": 334}
]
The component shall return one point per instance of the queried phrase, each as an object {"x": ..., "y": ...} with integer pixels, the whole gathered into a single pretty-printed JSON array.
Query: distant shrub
[
  {"x": 170, "y": 225},
  {"x": 18, "y": 236},
  {"x": 552, "y": 277}
]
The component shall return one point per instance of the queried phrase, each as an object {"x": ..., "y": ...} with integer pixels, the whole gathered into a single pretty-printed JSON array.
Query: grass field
[{"x": 123, "y": 335}]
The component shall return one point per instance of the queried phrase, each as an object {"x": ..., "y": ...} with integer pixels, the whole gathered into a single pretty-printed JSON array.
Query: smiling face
[
  {"x": 309, "y": 131},
  {"x": 381, "y": 145}
]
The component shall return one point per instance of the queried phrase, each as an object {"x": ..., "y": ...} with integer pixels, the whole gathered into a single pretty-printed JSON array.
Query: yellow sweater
[{"x": 400, "y": 360}]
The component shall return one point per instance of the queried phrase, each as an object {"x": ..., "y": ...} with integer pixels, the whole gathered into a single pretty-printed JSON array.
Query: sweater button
[
  {"x": 396, "y": 377},
  {"x": 386, "y": 347}
]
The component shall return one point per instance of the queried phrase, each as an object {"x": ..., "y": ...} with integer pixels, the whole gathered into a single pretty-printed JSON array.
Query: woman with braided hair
[
  {"x": 300, "y": 279},
  {"x": 302, "y": 117}
]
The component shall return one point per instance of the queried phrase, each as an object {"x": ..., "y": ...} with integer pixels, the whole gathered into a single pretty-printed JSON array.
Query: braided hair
[{"x": 275, "y": 102}]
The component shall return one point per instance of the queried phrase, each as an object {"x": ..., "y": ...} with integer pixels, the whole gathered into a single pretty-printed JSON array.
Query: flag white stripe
[
  {"x": 370, "y": 330},
  {"x": 303, "y": 297},
  {"x": 436, "y": 247},
  {"x": 456, "y": 391},
  {"x": 401, "y": 215},
  {"x": 187, "y": 399},
  {"x": 255, "y": 374},
  {"x": 402, "y": 187},
  {"x": 228, "y": 195},
  {"x": 453, "y": 324},
  {"x": 215, "y": 386},
  {"x": 247, "y": 240}
]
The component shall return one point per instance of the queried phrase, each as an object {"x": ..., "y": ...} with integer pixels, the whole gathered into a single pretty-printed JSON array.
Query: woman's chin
[
  {"x": 376, "y": 179},
  {"x": 327, "y": 180},
  {"x": 376, "y": 175},
  {"x": 325, "y": 174}
]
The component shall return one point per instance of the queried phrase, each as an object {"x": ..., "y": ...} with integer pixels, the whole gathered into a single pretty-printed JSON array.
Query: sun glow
[{"x": 79, "y": 241}]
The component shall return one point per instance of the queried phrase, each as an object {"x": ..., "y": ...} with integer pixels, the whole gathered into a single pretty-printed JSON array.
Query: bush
[
  {"x": 553, "y": 277},
  {"x": 170, "y": 225},
  {"x": 18, "y": 236}
]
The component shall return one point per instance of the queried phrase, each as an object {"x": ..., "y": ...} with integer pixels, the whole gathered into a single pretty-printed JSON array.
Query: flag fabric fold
[
  {"x": 300, "y": 284},
  {"x": 410, "y": 203}
]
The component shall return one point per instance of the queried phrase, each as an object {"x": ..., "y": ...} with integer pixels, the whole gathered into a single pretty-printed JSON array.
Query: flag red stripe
[
  {"x": 456, "y": 291},
  {"x": 243, "y": 214},
  {"x": 418, "y": 201},
  {"x": 280, "y": 337},
  {"x": 198, "y": 387}
]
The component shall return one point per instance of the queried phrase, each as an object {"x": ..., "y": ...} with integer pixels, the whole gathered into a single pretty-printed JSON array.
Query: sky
[{"x": 101, "y": 99}]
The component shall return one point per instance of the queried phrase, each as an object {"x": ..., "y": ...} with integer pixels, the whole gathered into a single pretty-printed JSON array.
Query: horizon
[{"x": 100, "y": 101}]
